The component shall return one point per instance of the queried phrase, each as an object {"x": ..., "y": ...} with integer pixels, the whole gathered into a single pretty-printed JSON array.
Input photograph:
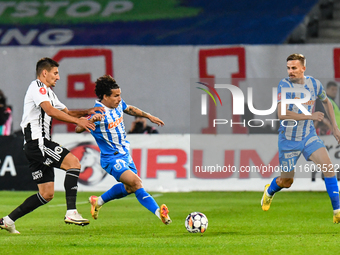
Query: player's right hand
[{"x": 318, "y": 116}]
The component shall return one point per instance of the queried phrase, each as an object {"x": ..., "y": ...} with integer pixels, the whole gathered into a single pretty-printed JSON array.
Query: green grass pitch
[{"x": 297, "y": 223}]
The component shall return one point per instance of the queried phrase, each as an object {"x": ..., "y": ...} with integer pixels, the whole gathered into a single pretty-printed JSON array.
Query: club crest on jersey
[
  {"x": 42, "y": 91},
  {"x": 279, "y": 97},
  {"x": 58, "y": 149}
]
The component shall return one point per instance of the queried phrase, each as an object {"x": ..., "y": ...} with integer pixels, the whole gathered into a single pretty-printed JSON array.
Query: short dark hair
[
  {"x": 331, "y": 84},
  {"x": 104, "y": 86},
  {"x": 45, "y": 63},
  {"x": 297, "y": 56}
]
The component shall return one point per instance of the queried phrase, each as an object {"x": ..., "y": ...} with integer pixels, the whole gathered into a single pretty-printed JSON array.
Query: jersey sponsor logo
[
  {"x": 42, "y": 91},
  {"x": 115, "y": 123},
  {"x": 37, "y": 175},
  {"x": 310, "y": 102},
  {"x": 292, "y": 154},
  {"x": 279, "y": 97}
]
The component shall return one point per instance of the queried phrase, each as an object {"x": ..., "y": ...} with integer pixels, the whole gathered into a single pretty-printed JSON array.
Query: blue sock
[
  {"x": 333, "y": 191},
  {"x": 273, "y": 188},
  {"x": 146, "y": 200},
  {"x": 117, "y": 191}
]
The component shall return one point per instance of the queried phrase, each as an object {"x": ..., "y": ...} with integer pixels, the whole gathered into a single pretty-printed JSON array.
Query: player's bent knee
[
  {"x": 128, "y": 189},
  {"x": 70, "y": 162},
  {"x": 75, "y": 164},
  {"x": 47, "y": 196},
  {"x": 137, "y": 184}
]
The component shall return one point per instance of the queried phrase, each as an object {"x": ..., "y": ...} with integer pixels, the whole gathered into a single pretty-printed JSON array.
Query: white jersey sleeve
[{"x": 38, "y": 93}]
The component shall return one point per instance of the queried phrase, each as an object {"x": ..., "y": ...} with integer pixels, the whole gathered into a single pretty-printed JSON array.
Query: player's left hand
[
  {"x": 96, "y": 109},
  {"x": 156, "y": 120},
  {"x": 336, "y": 133}
]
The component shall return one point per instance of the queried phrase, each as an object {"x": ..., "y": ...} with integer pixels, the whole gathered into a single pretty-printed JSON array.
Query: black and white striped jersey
[{"x": 36, "y": 124}]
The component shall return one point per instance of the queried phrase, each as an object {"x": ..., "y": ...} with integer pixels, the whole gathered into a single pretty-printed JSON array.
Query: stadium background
[{"x": 157, "y": 52}]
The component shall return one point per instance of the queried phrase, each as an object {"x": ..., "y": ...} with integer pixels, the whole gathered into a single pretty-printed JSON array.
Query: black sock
[
  {"x": 30, "y": 204},
  {"x": 71, "y": 187}
]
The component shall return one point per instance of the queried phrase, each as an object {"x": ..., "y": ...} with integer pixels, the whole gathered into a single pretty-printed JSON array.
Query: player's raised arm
[
  {"x": 134, "y": 111},
  {"x": 83, "y": 113}
]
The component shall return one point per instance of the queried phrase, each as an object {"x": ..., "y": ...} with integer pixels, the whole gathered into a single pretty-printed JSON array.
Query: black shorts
[{"x": 43, "y": 158}]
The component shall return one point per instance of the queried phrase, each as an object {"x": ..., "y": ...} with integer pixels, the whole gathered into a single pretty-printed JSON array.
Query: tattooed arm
[{"x": 134, "y": 111}]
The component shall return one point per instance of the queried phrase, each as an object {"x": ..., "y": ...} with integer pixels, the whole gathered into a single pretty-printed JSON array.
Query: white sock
[
  {"x": 100, "y": 201},
  {"x": 8, "y": 220},
  {"x": 71, "y": 211},
  {"x": 268, "y": 194},
  {"x": 158, "y": 214},
  {"x": 336, "y": 211}
]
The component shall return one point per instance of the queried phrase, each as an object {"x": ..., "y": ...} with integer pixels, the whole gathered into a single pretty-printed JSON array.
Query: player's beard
[{"x": 296, "y": 80}]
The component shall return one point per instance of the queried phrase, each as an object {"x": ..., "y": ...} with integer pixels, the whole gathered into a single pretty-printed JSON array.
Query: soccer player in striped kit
[
  {"x": 41, "y": 105},
  {"x": 302, "y": 138},
  {"x": 110, "y": 136}
]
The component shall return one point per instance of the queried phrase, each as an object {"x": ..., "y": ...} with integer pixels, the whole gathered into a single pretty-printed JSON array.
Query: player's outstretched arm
[
  {"x": 60, "y": 115},
  {"x": 134, "y": 111},
  {"x": 93, "y": 119},
  {"x": 83, "y": 113}
]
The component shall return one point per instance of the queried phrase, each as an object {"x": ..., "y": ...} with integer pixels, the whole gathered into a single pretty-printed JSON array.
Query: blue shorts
[
  {"x": 290, "y": 151},
  {"x": 116, "y": 165}
]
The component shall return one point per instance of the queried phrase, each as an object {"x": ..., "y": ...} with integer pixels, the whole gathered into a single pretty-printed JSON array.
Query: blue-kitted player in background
[
  {"x": 299, "y": 136},
  {"x": 110, "y": 136}
]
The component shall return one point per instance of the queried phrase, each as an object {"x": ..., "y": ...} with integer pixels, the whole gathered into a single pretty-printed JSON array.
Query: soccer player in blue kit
[
  {"x": 299, "y": 136},
  {"x": 110, "y": 136}
]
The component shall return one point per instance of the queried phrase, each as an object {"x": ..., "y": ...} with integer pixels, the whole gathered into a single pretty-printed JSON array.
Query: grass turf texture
[{"x": 297, "y": 223}]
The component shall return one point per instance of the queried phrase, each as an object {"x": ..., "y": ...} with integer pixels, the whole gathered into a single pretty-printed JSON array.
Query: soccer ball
[{"x": 196, "y": 222}]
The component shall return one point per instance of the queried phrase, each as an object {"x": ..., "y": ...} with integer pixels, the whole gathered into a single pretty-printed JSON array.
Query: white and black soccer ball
[{"x": 196, "y": 222}]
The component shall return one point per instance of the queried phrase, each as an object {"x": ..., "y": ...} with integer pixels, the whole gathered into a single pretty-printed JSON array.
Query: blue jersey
[
  {"x": 303, "y": 127},
  {"x": 110, "y": 132}
]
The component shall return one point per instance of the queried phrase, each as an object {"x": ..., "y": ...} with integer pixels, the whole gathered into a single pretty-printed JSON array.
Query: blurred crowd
[{"x": 5, "y": 115}]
